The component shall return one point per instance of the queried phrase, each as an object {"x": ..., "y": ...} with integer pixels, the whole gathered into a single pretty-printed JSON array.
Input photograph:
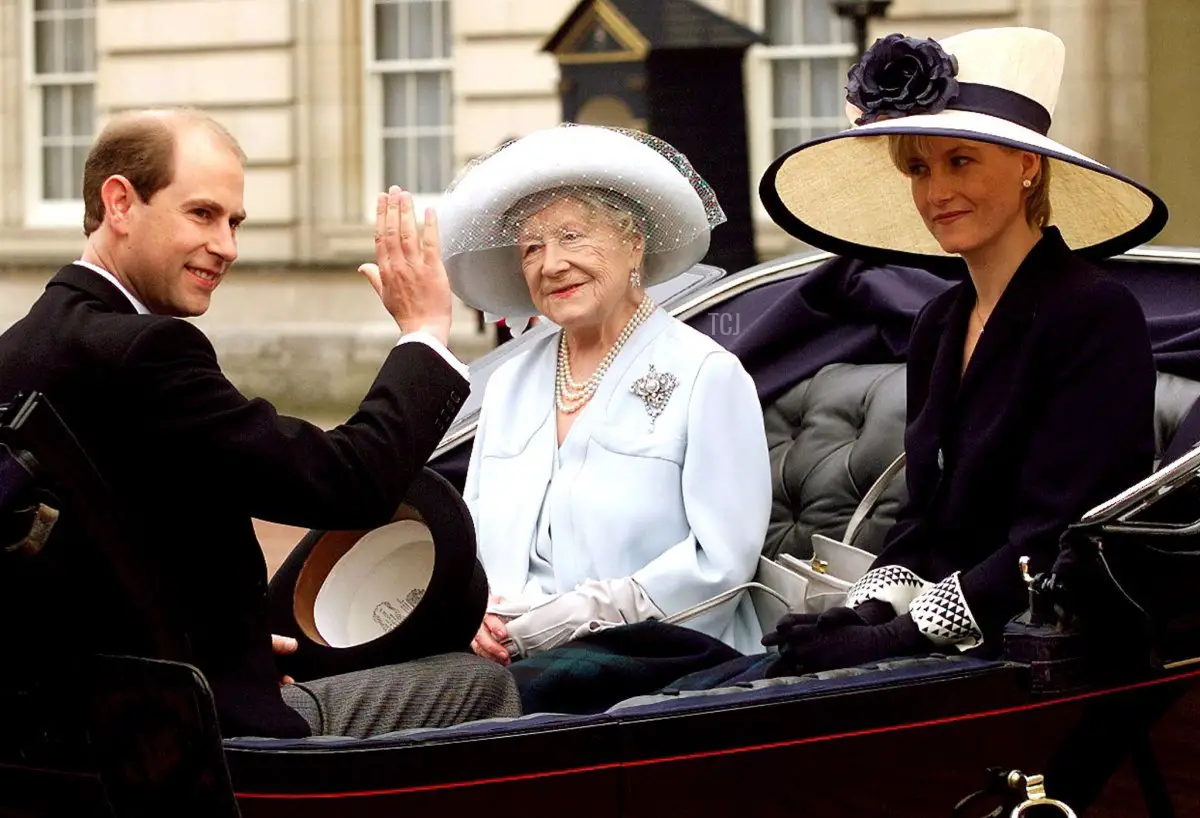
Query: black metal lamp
[{"x": 860, "y": 11}]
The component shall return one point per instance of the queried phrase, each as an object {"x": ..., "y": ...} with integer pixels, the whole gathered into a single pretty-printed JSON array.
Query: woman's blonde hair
[{"x": 903, "y": 148}]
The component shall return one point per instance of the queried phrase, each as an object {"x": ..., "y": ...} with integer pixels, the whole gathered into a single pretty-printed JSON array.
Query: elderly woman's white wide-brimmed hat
[
  {"x": 843, "y": 194},
  {"x": 677, "y": 208}
]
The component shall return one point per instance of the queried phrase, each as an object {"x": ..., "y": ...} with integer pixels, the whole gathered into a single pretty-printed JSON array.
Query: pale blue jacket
[{"x": 682, "y": 509}]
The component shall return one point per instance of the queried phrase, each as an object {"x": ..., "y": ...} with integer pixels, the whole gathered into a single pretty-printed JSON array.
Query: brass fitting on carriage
[
  {"x": 25, "y": 521},
  {"x": 24, "y": 532},
  {"x": 1033, "y": 789},
  {"x": 1054, "y": 649},
  {"x": 1020, "y": 795},
  {"x": 1040, "y": 588}
]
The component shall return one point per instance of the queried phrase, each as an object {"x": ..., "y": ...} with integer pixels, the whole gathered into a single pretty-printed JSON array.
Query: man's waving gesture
[{"x": 408, "y": 274}]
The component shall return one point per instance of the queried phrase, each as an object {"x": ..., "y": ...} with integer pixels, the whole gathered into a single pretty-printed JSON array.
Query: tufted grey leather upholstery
[
  {"x": 1174, "y": 396},
  {"x": 831, "y": 436}
]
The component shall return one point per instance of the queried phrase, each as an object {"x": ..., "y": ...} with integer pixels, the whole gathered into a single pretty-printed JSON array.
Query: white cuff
[
  {"x": 893, "y": 584},
  {"x": 426, "y": 337},
  {"x": 944, "y": 617}
]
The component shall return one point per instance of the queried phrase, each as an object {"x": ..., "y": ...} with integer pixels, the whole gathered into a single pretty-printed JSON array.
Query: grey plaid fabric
[{"x": 438, "y": 691}]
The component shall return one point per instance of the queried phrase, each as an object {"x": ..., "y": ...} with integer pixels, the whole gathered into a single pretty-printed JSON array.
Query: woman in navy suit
[{"x": 1030, "y": 384}]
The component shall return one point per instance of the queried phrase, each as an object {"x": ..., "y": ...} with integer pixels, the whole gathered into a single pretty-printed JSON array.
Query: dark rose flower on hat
[{"x": 899, "y": 76}]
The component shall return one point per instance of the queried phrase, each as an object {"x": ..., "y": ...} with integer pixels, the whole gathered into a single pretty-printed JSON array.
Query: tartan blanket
[
  {"x": 739, "y": 670},
  {"x": 591, "y": 674}
]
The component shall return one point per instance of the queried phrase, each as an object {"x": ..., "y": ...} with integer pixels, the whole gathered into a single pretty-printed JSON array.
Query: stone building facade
[{"x": 334, "y": 99}]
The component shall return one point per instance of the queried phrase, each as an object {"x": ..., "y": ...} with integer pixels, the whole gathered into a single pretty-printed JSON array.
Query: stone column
[
  {"x": 1127, "y": 126},
  {"x": 236, "y": 60},
  {"x": 1174, "y": 119},
  {"x": 504, "y": 86},
  {"x": 12, "y": 91},
  {"x": 330, "y": 62},
  {"x": 1081, "y": 116}
]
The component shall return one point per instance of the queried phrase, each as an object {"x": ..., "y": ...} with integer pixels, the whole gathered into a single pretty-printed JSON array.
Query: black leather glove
[
  {"x": 791, "y": 626},
  {"x": 817, "y": 648}
]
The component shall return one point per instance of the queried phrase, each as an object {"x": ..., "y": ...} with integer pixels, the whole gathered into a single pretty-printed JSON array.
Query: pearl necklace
[{"x": 570, "y": 395}]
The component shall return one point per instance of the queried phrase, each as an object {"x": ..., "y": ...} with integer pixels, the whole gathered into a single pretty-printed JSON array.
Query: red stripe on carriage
[{"x": 716, "y": 753}]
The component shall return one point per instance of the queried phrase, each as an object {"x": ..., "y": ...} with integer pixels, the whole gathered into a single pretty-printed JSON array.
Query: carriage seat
[{"x": 832, "y": 435}]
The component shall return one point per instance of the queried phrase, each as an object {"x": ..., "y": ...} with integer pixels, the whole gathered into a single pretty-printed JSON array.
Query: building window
[
  {"x": 410, "y": 128},
  {"x": 62, "y": 39},
  {"x": 809, "y": 53}
]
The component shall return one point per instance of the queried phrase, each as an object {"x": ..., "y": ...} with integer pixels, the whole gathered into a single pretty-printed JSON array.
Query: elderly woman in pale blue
[{"x": 620, "y": 470}]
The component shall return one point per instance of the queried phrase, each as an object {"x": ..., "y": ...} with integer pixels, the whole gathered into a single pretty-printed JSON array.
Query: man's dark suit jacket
[
  {"x": 1054, "y": 415},
  {"x": 196, "y": 460}
]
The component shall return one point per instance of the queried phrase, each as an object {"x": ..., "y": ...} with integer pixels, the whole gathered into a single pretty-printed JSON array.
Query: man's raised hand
[{"x": 408, "y": 274}]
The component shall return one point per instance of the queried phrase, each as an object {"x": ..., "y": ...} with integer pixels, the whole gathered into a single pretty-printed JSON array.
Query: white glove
[
  {"x": 517, "y": 324},
  {"x": 592, "y": 606}
]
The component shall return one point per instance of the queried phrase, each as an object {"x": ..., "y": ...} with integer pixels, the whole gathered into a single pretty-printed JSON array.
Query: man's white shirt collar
[{"x": 137, "y": 305}]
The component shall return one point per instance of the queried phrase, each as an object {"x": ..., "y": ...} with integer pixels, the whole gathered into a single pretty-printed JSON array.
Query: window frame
[
  {"x": 373, "y": 127},
  {"x": 39, "y": 211},
  {"x": 761, "y": 90}
]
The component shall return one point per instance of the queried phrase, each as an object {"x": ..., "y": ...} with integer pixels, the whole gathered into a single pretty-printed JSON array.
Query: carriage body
[{"x": 140, "y": 736}]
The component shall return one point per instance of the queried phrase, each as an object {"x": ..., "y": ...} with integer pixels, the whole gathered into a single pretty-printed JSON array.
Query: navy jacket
[
  {"x": 1054, "y": 415},
  {"x": 195, "y": 461}
]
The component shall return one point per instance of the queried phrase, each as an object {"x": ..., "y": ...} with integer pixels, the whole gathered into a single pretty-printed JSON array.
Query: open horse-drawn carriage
[{"x": 1096, "y": 690}]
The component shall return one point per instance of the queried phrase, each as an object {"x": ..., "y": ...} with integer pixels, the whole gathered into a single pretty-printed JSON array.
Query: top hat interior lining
[{"x": 325, "y": 553}]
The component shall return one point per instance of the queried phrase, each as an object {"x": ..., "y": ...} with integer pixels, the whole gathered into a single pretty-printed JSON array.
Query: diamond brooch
[{"x": 655, "y": 388}]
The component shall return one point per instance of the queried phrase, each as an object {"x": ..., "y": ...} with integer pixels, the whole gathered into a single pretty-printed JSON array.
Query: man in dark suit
[{"x": 196, "y": 460}]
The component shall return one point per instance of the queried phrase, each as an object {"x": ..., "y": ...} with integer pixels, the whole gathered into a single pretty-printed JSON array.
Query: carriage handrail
[{"x": 1145, "y": 491}]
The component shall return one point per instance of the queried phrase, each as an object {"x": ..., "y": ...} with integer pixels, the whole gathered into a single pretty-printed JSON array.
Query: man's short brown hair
[{"x": 140, "y": 145}]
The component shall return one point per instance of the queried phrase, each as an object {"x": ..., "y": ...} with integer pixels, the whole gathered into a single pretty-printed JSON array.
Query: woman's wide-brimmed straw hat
[
  {"x": 842, "y": 192},
  {"x": 479, "y": 219}
]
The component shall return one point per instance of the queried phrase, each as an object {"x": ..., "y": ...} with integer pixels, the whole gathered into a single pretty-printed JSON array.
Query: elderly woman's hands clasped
[
  {"x": 488, "y": 642},
  {"x": 408, "y": 274}
]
